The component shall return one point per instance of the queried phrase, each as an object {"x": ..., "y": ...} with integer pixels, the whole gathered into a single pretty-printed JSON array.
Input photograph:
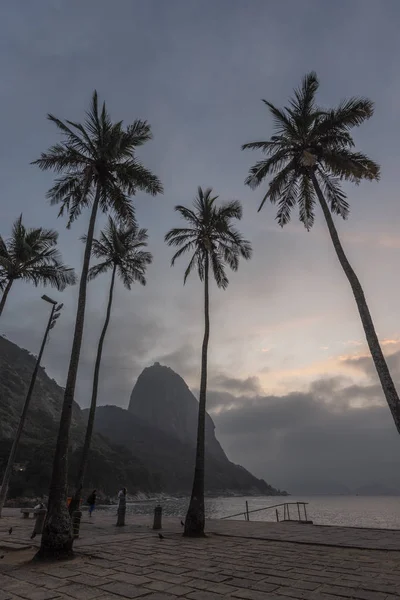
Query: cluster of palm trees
[{"x": 309, "y": 155}]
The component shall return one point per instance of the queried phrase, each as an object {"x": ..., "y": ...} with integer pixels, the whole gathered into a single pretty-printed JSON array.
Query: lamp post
[{"x": 54, "y": 314}]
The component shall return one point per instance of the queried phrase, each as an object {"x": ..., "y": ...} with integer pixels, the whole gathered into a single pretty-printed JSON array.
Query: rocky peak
[{"x": 162, "y": 399}]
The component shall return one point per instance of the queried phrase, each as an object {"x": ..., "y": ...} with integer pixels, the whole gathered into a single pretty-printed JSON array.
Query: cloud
[
  {"x": 365, "y": 364},
  {"x": 318, "y": 436},
  {"x": 250, "y": 385}
]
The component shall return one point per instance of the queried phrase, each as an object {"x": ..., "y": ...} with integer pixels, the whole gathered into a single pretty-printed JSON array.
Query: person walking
[{"x": 92, "y": 502}]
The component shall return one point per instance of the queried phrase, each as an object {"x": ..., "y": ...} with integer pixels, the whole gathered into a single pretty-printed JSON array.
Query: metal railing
[{"x": 286, "y": 512}]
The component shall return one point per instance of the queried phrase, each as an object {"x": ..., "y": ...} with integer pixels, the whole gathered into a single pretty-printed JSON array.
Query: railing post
[
  {"x": 277, "y": 515},
  {"x": 305, "y": 511},
  {"x": 247, "y": 511},
  {"x": 298, "y": 510},
  {"x": 288, "y": 512}
]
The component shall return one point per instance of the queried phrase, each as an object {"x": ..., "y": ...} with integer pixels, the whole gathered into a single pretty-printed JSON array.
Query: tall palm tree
[
  {"x": 214, "y": 244},
  {"x": 120, "y": 250},
  {"x": 310, "y": 154},
  {"x": 31, "y": 255},
  {"x": 99, "y": 169}
]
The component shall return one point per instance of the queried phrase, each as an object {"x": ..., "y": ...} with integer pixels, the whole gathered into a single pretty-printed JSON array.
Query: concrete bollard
[
  {"x": 40, "y": 515},
  {"x": 157, "y": 524},
  {"x": 76, "y": 523},
  {"x": 121, "y": 511}
]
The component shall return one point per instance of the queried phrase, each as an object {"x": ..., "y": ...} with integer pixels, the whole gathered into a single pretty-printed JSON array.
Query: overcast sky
[{"x": 292, "y": 390}]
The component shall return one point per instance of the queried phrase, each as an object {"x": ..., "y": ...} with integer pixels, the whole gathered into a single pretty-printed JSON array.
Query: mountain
[
  {"x": 162, "y": 399},
  {"x": 160, "y": 426},
  {"x": 110, "y": 465},
  {"x": 148, "y": 448}
]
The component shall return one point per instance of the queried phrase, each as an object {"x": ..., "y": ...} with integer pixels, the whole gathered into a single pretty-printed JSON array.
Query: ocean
[{"x": 351, "y": 511}]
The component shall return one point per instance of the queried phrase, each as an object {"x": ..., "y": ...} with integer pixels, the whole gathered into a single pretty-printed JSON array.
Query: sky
[{"x": 292, "y": 391}]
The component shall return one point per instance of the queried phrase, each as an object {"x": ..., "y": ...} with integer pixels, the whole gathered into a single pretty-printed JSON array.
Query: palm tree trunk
[
  {"x": 89, "y": 429},
  {"x": 14, "y": 447},
  {"x": 388, "y": 386},
  {"x": 5, "y": 294},
  {"x": 57, "y": 537},
  {"x": 195, "y": 518}
]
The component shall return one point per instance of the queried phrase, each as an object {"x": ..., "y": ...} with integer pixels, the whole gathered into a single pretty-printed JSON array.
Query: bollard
[
  {"x": 121, "y": 511},
  {"x": 40, "y": 515},
  {"x": 76, "y": 523},
  {"x": 157, "y": 524}
]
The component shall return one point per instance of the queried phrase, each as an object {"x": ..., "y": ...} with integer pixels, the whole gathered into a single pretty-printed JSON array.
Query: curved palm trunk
[
  {"x": 5, "y": 294},
  {"x": 14, "y": 447},
  {"x": 57, "y": 537},
  {"x": 388, "y": 386},
  {"x": 195, "y": 519},
  {"x": 89, "y": 429}
]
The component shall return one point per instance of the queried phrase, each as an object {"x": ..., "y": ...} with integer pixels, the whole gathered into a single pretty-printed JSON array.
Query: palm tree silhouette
[
  {"x": 99, "y": 169},
  {"x": 31, "y": 255},
  {"x": 121, "y": 250},
  {"x": 214, "y": 244},
  {"x": 310, "y": 155}
]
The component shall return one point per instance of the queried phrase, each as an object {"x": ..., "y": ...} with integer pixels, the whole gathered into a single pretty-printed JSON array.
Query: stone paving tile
[
  {"x": 126, "y": 590},
  {"x": 158, "y": 586},
  {"x": 39, "y": 594},
  {"x": 128, "y": 578},
  {"x": 253, "y": 595},
  {"x": 180, "y": 590},
  {"x": 79, "y": 591}
]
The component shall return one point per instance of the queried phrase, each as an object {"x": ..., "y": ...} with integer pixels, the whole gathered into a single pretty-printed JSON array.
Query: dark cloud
[
  {"x": 302, "y": 437},
  {"x": 366, "y": 365}
]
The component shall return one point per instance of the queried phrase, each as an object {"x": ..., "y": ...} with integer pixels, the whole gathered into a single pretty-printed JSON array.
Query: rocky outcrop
[{"x": 162, "y": 399}]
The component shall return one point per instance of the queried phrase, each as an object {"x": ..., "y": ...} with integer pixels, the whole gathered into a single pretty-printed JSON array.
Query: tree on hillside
[
  {"x": 214, "y": 244},
  {"x": 310, "y": 154},
  {"x": 121, "y": 250},
  {"x": 98, "y": 169},
  {"x": 31, "y": 255}
]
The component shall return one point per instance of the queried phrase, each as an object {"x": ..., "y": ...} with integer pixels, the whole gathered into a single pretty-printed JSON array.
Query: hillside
[
  {"x": 149, "y": 448},
  {"x": 110, "y": 465},
  {"x": 160, "y": 426}
]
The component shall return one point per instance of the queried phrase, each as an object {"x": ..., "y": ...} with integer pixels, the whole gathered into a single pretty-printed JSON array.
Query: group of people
[{"x": 91, "y": 500}]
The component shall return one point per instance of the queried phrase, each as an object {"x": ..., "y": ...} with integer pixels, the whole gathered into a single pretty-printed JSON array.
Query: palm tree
[
  {"x": 309, "y": 156},
  {"x": 99, "y": 169},
  {"x": 121, "y": 251},
  {"x": 214, "y": 244},
  {"x": 31, "y": 255}
]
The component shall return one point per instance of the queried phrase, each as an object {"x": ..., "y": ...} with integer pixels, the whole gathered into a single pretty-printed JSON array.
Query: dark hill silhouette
[
  {"x": 148, "y": 448},
  {"x": 160, "y": 426}
]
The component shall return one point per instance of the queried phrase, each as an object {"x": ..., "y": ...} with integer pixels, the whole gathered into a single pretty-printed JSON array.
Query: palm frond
[
  {"x": 99, "y": 269},
  {"x": 121, "y": 246},
  {"x": 210, "y": 236},
  {"x": 289, "y": 196},
  {"x": 307, "y": 199},
  {"x": 351, "y": 166},
  {"x": 304, "y": 130},
  {"x": 334, "y": 194}
]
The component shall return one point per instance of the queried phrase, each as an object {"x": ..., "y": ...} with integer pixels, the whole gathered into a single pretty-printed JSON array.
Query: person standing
[
  {"x": 92, "y": 502},
  {"x": 121, "y": 507}
]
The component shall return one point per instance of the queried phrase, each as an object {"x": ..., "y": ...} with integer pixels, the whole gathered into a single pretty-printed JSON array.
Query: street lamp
[{"x": 54, "y": 315}]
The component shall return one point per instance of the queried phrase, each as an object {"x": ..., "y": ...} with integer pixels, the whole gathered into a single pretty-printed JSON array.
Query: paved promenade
[{"x": 238, "y": 560}]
